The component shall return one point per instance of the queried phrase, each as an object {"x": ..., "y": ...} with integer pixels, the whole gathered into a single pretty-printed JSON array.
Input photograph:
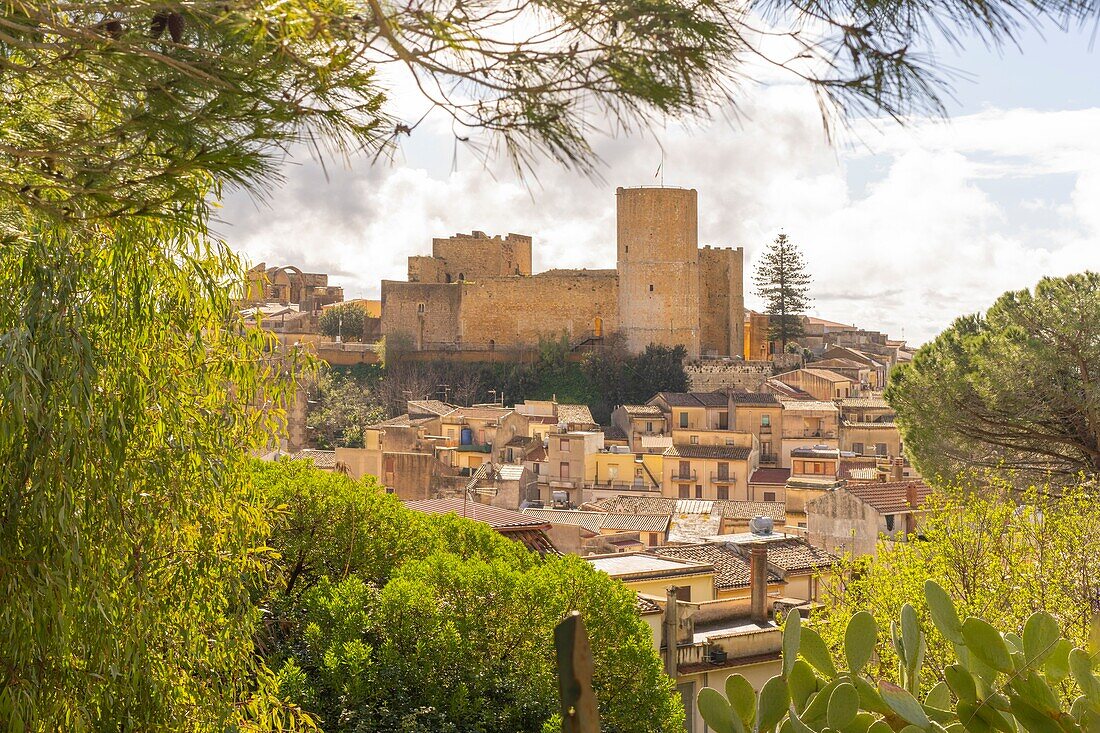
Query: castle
[{"x": 478, "y": 292}]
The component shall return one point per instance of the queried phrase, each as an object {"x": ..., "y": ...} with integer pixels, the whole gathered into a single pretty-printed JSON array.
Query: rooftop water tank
[
  {"x": 467, "y": 436},
  {"x": 761, "y": 525}
]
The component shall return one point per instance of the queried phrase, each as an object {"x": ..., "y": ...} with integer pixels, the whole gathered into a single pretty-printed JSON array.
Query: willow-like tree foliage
[{"x": 1015, "y": 388}]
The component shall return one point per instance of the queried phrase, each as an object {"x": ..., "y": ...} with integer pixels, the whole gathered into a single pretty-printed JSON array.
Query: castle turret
[{"x": 658, "y": 264}]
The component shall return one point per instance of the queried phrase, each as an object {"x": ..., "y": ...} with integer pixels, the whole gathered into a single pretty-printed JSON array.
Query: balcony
[
  {"x": 622, "y": 486},
  {"x": 717, "y": 478},
  {"x": 765, "y": 429},
  {"x": 809, "y": 434},
  {"x": 770, "y": 458},
  {"x": 679, "y": 475}
]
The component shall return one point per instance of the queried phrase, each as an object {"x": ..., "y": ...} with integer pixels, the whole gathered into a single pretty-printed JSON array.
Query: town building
[
  {"x": 644, "y": 426},
  {"x": 867, "y": 427},
  {"x": 855, "y": 518},
  {"x": 710, "y": 464},
  {"x": 807, "y": 424},
  {"x": 821, "y": 384},
  {"x": 761, "y": 414},
  {"x": 476, "y": 292}
]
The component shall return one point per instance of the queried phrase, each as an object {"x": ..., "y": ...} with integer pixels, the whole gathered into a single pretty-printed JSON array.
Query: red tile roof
[
  {"x": 722, "y": 452},
  {"x": 773, "y": 476},
  {"x": 499, "y": 519},
  {"x": 890, "y": 497}
]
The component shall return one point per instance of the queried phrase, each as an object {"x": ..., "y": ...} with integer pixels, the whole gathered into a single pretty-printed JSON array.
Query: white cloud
[{"x": 905, "y": 248}]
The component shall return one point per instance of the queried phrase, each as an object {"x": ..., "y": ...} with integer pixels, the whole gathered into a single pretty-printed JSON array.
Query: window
[
  {"x": 857, "y": 448},
  {"x": 880, "y": 449},
  {"x": 765, "y": 421},
  {"x": 536, "y": 468},
  {"x": 723, "y": 492},
  {"x": 723, "y": 421},
  {"x": 889, "y": 522},
  {"x": 685, "y": 469},
  {"x": 698, "y": 491},
  {"x": 723, "y": 470},
  {"x": 564, "y": 445},
  {"x": 769, "y": 496},
  {"x": 563, "y": 469},
  {"x": 420, "y": 308},
  {"x": 461, "y": 276},
  {"x": 683, "y": 419},
  {"x": 651, "y": 539},
  {"x": 683, "y": 593},
  {"x": 685, "y": 491},
  {"x": 695, "y": 440},
  {"x": 637, "y": 473},
  {"x": 729, "y": 441},
  {"x": 651, "y": 287},
  {"x": 649, "y": 427}
]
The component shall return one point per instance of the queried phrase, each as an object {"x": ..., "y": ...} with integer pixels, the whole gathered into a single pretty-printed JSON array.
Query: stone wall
[
  {"x": 478, "y": 256},
  {"x": 707, "y": 376},
  {"x": 721, "y": 301},
  {"x": 426, "y": 269},
  {"x": 518, "y": 311},
  {"x": 424, "y": 314}
]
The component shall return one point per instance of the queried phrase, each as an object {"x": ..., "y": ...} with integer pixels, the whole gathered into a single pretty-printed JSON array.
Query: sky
[{"x": 904, "y": 228}]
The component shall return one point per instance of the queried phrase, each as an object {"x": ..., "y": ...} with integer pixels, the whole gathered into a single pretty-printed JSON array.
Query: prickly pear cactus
[{"x": 1000, "y": 683}]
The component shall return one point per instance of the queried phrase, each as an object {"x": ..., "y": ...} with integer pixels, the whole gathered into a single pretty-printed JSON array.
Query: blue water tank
[{"x": 467, "y": 436}]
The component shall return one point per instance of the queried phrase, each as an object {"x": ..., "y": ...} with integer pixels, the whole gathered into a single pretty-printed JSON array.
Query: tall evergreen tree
[{"x": 782, "y": 281}]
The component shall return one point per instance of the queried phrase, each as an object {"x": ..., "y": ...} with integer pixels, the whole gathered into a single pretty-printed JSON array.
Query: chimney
[
  {"x": 911, "y": 500},
  {"x": 758, "y": 581},
  {"x": 671, "y": 625},
  {"x": 897, "y": 472}
]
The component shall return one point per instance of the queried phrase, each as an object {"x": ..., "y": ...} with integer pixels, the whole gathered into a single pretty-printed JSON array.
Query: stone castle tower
[
  {"x": 658, "y": 264},
  {"x": 478, "y": 293}
]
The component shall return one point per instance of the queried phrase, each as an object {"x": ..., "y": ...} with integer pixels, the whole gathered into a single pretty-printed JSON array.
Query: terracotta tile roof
[
  {"x": 776, "y": 510},
  {"x": 499, "y": 519},
  {"x": 636, "y": 504},
  {"x": 575, "y": 414},
  {"x": 826, "y": 374},
  {"x": 478, "y": 412},
  {"x": 754, "y": 398},
  {"x": 870, "y": 402},
  {"x": 521, "y": 441},
  {"x": 646, "y": 605},
  {"x": 796, "y": 555},
  {"x": 422, "y": 408},
  {"x": 692, "y": 399},
  {"x": 785, "y": 390},
  {"x": 320, "y": 458},
  {"x": 590, "y": 521},
  {"x": 636, "y": 522},
  {"x": 838, "y": 362},
  {"x": 510, "y": 471},
  {"x": 401, "y": 421},
  {"x": 613, "y": 433},
  {"x": 724, "y": 452},
  {"x": 772, "y": 476},
  {"x": 537, "y": 455},
  {"x": 643, "y": 410},
  {"x": 731, "y": 569},
  {"x": 889, "y": 497},
  {"x": 808, "y": 406}
]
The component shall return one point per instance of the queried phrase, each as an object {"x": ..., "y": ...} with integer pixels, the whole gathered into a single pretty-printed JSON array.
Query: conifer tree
[{"x": 782, "y": 281}]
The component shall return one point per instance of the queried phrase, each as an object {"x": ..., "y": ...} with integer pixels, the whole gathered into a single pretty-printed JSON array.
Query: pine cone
[
  {"x": 158, "y": 24},
  {"x": 175, "y": 26}
]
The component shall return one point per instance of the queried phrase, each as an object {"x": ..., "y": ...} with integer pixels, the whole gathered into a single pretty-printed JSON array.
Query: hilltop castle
[{"x": 478, "y": 292}]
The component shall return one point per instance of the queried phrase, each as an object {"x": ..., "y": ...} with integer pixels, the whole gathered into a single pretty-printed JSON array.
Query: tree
[
  {"x": 338, "y": 410},
  {"x": 346, "y": 320},
  {"x": 782, "y": 281},
  {"x": 1000, "y": 555},
  {"x": 1016, "y": 388},
  {"x": 358, "y": 566}
]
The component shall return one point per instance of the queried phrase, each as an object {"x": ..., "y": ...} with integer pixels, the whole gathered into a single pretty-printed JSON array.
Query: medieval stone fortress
[{"x": 478, "y": 292}]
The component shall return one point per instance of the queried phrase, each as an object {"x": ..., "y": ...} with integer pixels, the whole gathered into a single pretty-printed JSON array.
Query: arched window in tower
[
  {"x": 651, "y": 287},
  {"x": 461, "y": 277}
]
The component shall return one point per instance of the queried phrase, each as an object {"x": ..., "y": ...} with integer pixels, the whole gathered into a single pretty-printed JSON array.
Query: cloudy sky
[{"x": 903, "y": 228}]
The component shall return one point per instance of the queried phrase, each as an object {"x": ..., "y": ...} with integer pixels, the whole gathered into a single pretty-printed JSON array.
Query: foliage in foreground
[
  {"x": 386, "y": 619},
  {"x": 1014, "y": 388},
  {"x": 130, "y": 541},
  {"x": 1000, "y": 556},
  {"x": 994, "y": 682}
]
